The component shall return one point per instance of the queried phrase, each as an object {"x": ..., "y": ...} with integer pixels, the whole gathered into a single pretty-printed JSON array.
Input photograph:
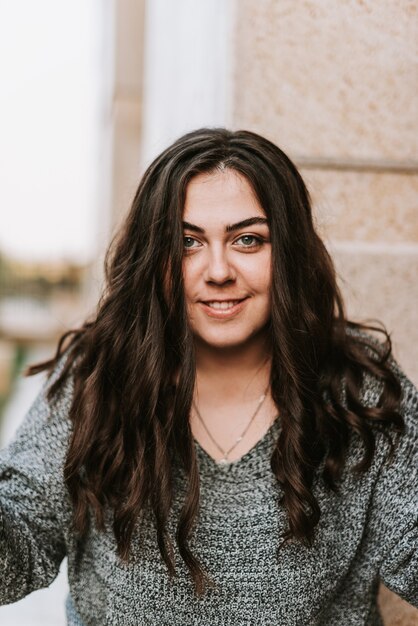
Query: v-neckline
[{"x": 245, "y": 458}]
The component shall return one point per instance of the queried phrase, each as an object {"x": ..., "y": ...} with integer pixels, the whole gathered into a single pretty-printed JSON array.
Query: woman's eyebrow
[{"x": 230, "y": 227}]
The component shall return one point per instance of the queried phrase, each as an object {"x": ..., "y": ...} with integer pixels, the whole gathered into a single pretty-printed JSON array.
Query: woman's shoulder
[
  {"x": 372, "y": 386},
  {"x": 32, "y": 464},
  {"x": 403, "y": 399}
]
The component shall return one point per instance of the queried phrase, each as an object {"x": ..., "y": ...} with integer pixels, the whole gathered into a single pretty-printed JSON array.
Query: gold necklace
[{"x": 225, "y": 453}]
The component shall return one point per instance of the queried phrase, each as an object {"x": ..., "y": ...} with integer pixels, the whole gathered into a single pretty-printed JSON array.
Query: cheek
[
  {"x": 260, "y": 279},
  {"x": 256, "y": 270}
]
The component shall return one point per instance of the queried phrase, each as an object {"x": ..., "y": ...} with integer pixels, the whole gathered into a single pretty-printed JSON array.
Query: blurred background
[{"x": 92, "y": 90}]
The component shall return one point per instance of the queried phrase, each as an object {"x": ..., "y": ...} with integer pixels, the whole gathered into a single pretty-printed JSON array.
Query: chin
[{"x": 227, "y": 341}]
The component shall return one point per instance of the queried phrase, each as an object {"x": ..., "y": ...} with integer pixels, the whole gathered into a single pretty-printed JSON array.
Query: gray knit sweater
[{"x": 367, "y": 533}]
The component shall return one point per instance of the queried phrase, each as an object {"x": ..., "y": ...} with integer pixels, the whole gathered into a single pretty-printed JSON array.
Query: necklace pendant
[{"x": 224, "y": 462}]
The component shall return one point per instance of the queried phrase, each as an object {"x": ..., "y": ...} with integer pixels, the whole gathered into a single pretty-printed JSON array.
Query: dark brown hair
[{"x": 131, "y": 423}]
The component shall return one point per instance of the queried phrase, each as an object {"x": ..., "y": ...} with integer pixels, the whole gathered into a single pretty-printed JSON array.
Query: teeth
[{"x": 222, "y": 305}]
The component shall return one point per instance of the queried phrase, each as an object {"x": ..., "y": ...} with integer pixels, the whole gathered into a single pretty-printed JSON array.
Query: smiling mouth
[{"x": 223, "y": 309}]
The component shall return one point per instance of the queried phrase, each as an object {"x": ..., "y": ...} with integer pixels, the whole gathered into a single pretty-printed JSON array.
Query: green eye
[
  {"x": 249, "y": 241},
  {"x": 188, "y": 242}
]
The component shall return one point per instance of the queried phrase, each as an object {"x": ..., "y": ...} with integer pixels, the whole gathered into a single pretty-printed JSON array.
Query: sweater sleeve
[
  {"x": 395, "y": 507},
  {"x": 33, "y": 500}
]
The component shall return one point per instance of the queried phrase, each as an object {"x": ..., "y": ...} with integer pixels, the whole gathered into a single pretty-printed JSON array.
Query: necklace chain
[{"x": 225, "y": 453}]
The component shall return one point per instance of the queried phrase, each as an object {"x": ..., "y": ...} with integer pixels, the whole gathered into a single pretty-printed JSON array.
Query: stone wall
[{"x": 335, "y": 85}]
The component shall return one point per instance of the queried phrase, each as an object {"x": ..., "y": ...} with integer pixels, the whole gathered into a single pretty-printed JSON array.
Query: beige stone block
[
  {"x": 379, "y": 284},
  {"x": 326, "y": 78},
  {"x": 129, "y": 46},
  {"x": 374, "y": 207},
  {"x": 127, "y": 105},
  {"x": 395, "y": 611}
]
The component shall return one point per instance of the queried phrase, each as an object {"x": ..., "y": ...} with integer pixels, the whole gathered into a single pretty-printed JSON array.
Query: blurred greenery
[
  {"x": 38, "y": 280},
  {"x": 47, "y": 284}
]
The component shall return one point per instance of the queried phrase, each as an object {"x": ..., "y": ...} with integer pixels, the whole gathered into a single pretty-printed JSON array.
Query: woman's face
[{"x": 227, "y": 261}]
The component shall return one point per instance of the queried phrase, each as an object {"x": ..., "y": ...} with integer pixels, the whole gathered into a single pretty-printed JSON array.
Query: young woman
[{"x": 218, "y": 444}]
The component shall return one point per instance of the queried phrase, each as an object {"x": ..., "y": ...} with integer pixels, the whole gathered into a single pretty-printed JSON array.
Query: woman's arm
[
  {"x": 394, "y": 513},
  {"x": 34, "y": 506}
]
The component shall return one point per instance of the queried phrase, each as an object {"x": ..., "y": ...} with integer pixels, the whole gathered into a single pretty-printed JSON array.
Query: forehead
[{"x": 221, "y": 196}]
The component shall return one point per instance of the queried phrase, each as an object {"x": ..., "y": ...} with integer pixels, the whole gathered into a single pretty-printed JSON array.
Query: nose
[{"x": 218, "y": 267}]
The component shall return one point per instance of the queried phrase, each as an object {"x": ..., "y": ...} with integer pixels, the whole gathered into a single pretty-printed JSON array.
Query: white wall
[{"x": 188, "y": 69}]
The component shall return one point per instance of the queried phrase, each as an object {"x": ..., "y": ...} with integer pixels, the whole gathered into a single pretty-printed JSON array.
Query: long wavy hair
[{"x": 133, "y": 362}]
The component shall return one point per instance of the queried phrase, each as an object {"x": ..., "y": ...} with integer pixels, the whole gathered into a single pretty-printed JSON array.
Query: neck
[{"x": 232, "y": 371}]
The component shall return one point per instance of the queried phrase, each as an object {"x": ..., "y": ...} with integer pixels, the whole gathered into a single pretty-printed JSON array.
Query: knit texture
[{"x": 367, "y": 533}]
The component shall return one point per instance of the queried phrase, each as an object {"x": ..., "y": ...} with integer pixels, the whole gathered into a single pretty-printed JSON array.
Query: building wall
[
  {"x": 335, "y": 85},
  {"x": 126, "y": 20}
]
